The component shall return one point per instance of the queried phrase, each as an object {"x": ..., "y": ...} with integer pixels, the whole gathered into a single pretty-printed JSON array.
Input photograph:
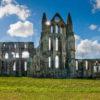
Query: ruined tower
[
  {"x": 70, "y": 47},
  {"x": 57, "y": 45}
]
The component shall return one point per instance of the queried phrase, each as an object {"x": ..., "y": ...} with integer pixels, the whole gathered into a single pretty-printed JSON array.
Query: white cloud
[
  {"x": 93, "y": 27},
  {"x": 7, "y": 1},
  {"x": 96, "y": 5},
  {"x": 77, "y": 38},
  {"x": 21, "y": 29},
  {"x": 10, "y": 7},
  {"x": 88, "y": 49}
]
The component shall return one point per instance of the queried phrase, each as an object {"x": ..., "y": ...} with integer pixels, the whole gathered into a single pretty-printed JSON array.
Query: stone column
[{"x": 20, "y": 62}]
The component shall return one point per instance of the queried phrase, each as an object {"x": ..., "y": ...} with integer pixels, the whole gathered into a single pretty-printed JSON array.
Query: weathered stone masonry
[
  {"x": 57, "y": 46},
  {"x": 15, "y": 58},
  {"x": 54, "y": 57}
]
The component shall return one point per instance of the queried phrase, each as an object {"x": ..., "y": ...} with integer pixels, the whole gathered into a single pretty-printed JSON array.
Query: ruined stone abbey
[{"x": 53, "y": 58}]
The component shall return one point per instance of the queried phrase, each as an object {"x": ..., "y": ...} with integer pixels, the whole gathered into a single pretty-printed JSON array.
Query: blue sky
[{"x": 85, "y": 15}]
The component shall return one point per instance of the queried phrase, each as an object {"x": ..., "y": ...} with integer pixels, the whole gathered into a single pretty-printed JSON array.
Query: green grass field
[{"x": 48, "y": 89}]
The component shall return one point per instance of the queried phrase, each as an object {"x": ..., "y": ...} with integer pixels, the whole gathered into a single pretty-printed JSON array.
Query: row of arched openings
[
  {"x": 56, "y": 29},
  {"x": 56, "y": 61}
]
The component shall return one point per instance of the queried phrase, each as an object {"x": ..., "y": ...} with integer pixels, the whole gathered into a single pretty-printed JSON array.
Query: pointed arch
[
  {"x": 56, "y": 29},
  {"x": 49, "y": 62},
  {"x": 56, "y": 44},
  {"x": 56, "y": 61},
  {"x": 6, "y": 55},
  {"x": 14, "y": 66},
  {"x": 25, "y": 66},
  {"x": 52, "y": 28},
  {"x": 49, "y": 43},
  {"x": 76, "y": 65}
]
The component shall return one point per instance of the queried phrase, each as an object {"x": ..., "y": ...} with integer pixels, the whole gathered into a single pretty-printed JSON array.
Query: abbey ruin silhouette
[{"x": 54, "y": 57}]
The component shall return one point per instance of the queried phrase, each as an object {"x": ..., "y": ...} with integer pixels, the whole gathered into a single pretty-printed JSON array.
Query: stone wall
[
  {"x": 88, "y": 68},
  {"x": 15, "y": 58}
]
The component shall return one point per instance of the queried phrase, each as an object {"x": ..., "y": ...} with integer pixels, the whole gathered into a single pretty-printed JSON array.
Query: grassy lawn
[{"x": 48, "y": 89}]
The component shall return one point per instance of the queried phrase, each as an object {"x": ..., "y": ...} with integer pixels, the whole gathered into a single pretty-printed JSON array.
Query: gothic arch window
[
  {"x": 56, "y": 44},
  {"x": 86, "y": 64},
  {"x": 57, "y": 19},
  {"x": 76, "y": 65},
  {"x": 49, "y": 43},
  {"x": 52, "y": 29},
  {"x": 56, "y": 29},
  {"x": 49, "y": 59},
  {"x": 25, "y": 66},
  {"x": 13, "y": 54},
  {"x": 14, "y": 66},
  {"x": 4, "y": 45},
  {"x": 56, "y": 61},
  {"x": 95, "y": 69},
  {"x": 15, "y": 46},
  {"x": 17, "y": 55},
  {"x": 25, "y": 46},
  {"x": 6, "y": 55}
]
